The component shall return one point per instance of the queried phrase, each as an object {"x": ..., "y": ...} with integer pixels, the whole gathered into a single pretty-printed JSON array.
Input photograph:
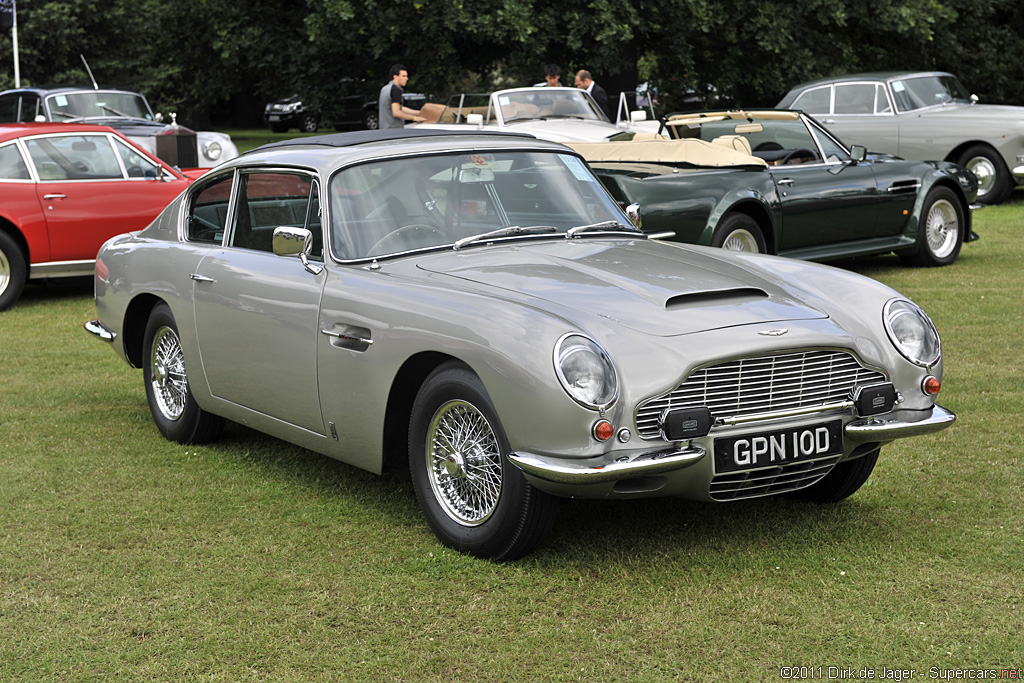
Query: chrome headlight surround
[
  {"x": 212, "y": 150},
  {"x": 585, "y": 371},
  {"x": 912, "y": 332}
]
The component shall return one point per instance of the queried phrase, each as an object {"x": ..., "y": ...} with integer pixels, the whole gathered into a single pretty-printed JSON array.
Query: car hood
[
  {"x": 650, "y": 287},
  {"x": 136, "y": 127},
  {"x": 555, "y": 130},
  {"x": 565, "y": 130}
]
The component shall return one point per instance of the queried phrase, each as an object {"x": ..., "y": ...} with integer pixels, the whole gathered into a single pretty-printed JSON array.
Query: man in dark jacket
[{"x": 585, "y": 82}]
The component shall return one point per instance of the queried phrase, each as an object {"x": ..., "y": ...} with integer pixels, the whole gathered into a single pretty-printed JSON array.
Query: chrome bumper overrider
[
  {"x": 900, "y": 424},
  {"x": 100, "y": 331},
  {"x": 881, "y": 429}
]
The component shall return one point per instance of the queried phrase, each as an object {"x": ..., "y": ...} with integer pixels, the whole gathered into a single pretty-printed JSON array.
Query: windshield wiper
[
  {"x": 504, "y": 232},
  {"x": 604, "y": 225},
  {"x": 115, "y": 112}
]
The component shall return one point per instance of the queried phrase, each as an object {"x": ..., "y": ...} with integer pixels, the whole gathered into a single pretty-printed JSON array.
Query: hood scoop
[{"x": 725, "y": 297}]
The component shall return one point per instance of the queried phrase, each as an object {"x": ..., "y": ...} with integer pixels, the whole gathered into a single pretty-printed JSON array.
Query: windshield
[
  {"x": 399, "y": 205},
  {"x": 97, "y": 104},
  {"x": 547, "y": 103},
  {"x": 928, "y": 91}
]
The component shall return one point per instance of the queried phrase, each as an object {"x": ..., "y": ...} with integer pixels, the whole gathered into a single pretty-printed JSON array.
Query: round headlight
[
  {"x": 585, "y": 371},
  {"x": 912, "y": 332},
  {"x": 212, "y": 150}
]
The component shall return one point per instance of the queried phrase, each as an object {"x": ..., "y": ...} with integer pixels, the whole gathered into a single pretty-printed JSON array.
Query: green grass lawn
[{"x": 126, "y": 557}]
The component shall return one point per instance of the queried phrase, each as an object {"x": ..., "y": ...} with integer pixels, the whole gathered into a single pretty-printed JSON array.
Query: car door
[
  {"x": 257, "y": 313},
  {"x": 824, "y": 200},
  {"x": 863, "y": 114},
  {"x": 86, "y": 194}
]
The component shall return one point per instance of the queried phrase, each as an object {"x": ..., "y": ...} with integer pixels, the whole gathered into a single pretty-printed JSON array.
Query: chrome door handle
[
  {"x": 345, "y": 337},
  {"x": 201, "y": 278},
  {"x": 830, "y": 121},
  {"x": 786, "y": 181},
  {"x": 55, "y": 196}
]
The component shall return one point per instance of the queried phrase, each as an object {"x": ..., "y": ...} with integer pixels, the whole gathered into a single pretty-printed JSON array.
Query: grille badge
[{"x": 777, "y": 332}]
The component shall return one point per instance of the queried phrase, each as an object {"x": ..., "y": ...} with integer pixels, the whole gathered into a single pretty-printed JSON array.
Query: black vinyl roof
[{"x": 364, "y": 137}]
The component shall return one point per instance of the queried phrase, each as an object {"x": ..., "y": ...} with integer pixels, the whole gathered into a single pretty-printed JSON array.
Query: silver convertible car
[{"x": 476, "y": 310}]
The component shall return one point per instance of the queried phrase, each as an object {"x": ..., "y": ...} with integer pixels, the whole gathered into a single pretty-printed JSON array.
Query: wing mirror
[
  {"x": 633, "y": 214},
  {"x": 858, "y": 153},
  {"x": 289, "y": 241}
]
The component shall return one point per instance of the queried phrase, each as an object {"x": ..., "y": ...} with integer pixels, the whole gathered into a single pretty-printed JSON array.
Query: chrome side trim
[
  {"x": 900, "y": 425},
  {"x": 904, "y": 187},
  {"x": 100, "y": 331},
  {"x": 63, "y": 269},
  {"x": 646, "y": 464}
]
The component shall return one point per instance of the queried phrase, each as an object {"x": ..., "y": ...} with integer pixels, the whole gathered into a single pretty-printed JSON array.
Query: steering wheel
[
  {"x": 411, "y": 228},
  {"x": 135, "y": 171},
  {"x": 795, "y": 154},
  {"x": 769, "y": 146},
  {"x": 80, "y": 166}
]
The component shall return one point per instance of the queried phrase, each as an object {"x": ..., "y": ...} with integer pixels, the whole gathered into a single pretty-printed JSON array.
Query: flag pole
[{"x": 14, "y": 43}]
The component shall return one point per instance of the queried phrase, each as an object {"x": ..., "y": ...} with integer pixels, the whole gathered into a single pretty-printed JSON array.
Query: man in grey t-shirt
[{"x": 390, "y": 110}]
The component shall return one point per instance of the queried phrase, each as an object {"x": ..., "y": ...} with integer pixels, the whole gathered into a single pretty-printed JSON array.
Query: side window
[
  {"x": 12, "y": 166},
  {"x": 833, "y": 152},
  {"x": 882, "y": 105},
  {"x": 314, "y": 223},
  {"x": 208, "y": 212},
  {"x": 855, "y": 98},
  {"x": 74, "y": 157},
  {"x": 137, "y": 165},
  {"x": 816, "y": 101},
  {"x": 267, "y": 201},
  {"x": 9, "y": 108}
]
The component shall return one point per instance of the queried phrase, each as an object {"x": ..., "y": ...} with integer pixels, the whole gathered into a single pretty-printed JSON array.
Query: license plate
[
  {"x": 780, "y": 447},
  {"x": 275, "y": 117}
]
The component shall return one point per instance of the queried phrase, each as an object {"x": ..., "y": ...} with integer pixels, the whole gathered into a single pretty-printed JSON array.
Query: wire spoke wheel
[
  {"x": 740, "y": 240},
  {"x": 168, "y": 378},
  {"x": 942, "y": 226},
  {"x": 464, "y": 462}
]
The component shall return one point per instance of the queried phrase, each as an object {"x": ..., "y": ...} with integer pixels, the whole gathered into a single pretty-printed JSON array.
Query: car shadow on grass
[{"x": 593, "y": 533}]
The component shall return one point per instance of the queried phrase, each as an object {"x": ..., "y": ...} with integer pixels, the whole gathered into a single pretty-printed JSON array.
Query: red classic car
[{"x": 65, "y": 189}]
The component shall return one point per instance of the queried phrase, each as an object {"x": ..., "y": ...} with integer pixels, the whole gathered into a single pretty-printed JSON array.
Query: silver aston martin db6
[{"x": 476, "y": 309}]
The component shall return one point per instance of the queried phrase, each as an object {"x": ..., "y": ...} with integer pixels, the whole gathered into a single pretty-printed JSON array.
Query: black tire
[
  {"x": 994, "y": 181},
  {"x": 279, "y": 127},
  {"x": 13, "y": 271},
  {"x": 474, "y": 499},
  {"x": 371, "y": 120},
  {"x": 308, "y": 123},
  {"x": 175, "y": 412},
  {"x": 941, "y": 229},
  {"x": 842, "y": 482},
  {"x": 739, "y": 232}
]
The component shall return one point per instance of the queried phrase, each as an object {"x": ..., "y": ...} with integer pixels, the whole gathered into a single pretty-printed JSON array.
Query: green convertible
[{"x": 778, "y": 182}]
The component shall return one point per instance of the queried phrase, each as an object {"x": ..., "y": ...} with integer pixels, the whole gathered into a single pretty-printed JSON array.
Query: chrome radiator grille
[{"x": 763, "y": 384}]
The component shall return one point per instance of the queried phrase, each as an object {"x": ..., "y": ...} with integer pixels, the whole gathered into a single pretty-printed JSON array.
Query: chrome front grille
[
  {"x": 765, "y": 384},
  {"x": 770, "y": 480}
]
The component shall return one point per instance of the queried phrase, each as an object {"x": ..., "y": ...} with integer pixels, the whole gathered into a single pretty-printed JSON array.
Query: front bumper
[{"x": 565, "y": 474}]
